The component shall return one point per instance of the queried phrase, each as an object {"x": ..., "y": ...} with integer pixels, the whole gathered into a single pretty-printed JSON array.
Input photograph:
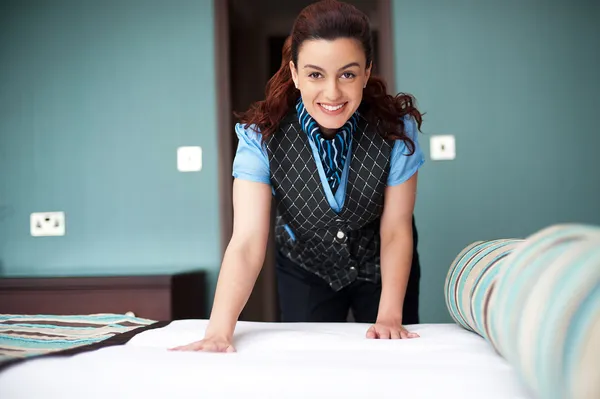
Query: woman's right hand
[{"x": 208, "y": 344}]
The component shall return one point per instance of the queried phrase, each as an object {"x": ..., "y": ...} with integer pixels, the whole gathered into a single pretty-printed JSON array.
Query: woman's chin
[{"x": 332, "y": 122}]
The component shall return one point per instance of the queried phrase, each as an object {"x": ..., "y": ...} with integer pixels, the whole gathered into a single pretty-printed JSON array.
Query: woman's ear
[
  {"x": 294, "y": 73},
  {"x": 368, "y": 73}
]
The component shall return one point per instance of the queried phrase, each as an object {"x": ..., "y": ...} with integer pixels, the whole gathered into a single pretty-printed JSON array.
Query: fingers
[
  {"x": 194, "y": 346},
  {"x": 384, "y": 332},
  {"x": 205, "y": 346},
  {"x": 405, "y": 334},
  {"x": 378, "y": 332},
  {"x": 372, "y": 333},
  {"x": 230, "y": 349}
]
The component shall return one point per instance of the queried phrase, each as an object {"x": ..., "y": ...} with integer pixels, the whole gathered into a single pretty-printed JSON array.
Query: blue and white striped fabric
[
  {"x": 471, "y": 281},
  {"x": 31, "y": 335},
  {"x": 333, "y": 151},
  {"x": 537, "y": 301}
]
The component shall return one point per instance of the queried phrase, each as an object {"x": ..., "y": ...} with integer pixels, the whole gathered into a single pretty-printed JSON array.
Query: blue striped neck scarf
[{"x": 333, "y": 151}]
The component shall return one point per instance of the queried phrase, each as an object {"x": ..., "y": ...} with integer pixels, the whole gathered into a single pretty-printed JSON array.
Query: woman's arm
[
  {"x": 244, "y": 256},
  {"x": 241, "y": 265},
  {"x": 396, "y": 259}
]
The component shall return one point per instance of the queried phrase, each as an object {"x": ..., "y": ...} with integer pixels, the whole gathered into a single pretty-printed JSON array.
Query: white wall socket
[
  {"x": 442, "y": 148},
  {"x": 189, "y": 159},
  {"x": 47, "y": 224}
]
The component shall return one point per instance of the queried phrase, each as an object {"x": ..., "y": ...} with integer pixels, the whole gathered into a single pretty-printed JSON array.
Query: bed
[
  {"x": 526, "y": 326},
  {"x": 276, "y": 360}
]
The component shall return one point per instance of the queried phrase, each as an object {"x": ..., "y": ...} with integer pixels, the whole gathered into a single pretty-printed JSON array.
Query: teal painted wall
[
  {"x": 517, "y": 83},
  {"x": 95, "y": 98}
]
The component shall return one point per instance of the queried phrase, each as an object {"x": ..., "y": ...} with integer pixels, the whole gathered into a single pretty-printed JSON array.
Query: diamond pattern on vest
[{"x": 339, "y": 248}]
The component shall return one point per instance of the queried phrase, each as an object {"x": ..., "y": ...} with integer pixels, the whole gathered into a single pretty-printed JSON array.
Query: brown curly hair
[{"x": 329, "y": 20}]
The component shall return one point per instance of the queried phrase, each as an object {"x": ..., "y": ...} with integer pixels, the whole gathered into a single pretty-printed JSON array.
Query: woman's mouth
[{"x": 332, "y": 109}]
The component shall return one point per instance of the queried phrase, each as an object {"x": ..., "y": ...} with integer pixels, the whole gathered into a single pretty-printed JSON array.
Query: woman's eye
[
  {"x": 348, "y": 75},
  {"x": 314, "y": 75}
]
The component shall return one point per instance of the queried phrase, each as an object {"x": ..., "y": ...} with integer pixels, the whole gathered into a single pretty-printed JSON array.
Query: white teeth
[{"x": 330, "y": 108}]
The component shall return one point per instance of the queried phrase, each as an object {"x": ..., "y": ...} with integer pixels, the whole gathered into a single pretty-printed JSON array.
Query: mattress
[{"x": 276, "y": 360}]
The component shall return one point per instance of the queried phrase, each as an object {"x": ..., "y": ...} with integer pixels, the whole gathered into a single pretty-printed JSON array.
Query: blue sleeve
[
  {"x": 251, "y": 161},
  {"x": 402, "y": 165}
]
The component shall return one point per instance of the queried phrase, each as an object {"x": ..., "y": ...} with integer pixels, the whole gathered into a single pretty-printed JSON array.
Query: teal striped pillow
[{"x": 537, "y": 301}]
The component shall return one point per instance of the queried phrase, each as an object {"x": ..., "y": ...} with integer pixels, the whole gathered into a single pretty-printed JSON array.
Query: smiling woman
[{"x": 339, "y": 156}]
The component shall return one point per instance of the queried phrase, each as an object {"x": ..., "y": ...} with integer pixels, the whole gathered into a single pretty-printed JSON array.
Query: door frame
[{"x": 224, "y": 136}]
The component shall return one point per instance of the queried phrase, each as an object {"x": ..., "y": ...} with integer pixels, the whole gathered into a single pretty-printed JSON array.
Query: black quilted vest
[{"x": 339, "y": 248}]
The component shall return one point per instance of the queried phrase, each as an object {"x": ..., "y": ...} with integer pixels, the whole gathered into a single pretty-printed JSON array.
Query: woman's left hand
[{"x": 389, "y": 330}]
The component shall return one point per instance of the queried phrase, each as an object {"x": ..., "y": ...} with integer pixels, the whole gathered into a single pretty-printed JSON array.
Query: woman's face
[{"x": 331, "y": 76}]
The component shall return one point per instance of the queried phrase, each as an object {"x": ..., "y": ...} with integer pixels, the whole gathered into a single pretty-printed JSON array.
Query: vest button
[
  {"x": 340, "y": 235},
  {"x": 353, "y": 273}
]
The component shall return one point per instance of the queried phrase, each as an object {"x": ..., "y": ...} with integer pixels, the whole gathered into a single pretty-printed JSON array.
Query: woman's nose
[{"x": 332, "y": 91}]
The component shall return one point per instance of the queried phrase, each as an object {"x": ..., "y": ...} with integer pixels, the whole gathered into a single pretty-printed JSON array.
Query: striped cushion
[
  {"x": 471, "y": 280},
  {"x": 537, "y": 301}
]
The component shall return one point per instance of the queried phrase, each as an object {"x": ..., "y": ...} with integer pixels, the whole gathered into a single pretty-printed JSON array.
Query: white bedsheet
[{"x": 277, "y": 360}]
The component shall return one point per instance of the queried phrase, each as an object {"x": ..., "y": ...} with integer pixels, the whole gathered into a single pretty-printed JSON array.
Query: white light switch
[
  {"x": 44, "y": 224},
  {"x": 442, "y": 148},
  {"x": 189, "y": 159}
]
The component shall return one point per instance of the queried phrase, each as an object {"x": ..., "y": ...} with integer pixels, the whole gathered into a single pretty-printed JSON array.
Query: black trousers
[{"x": 305, "y": 297}]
